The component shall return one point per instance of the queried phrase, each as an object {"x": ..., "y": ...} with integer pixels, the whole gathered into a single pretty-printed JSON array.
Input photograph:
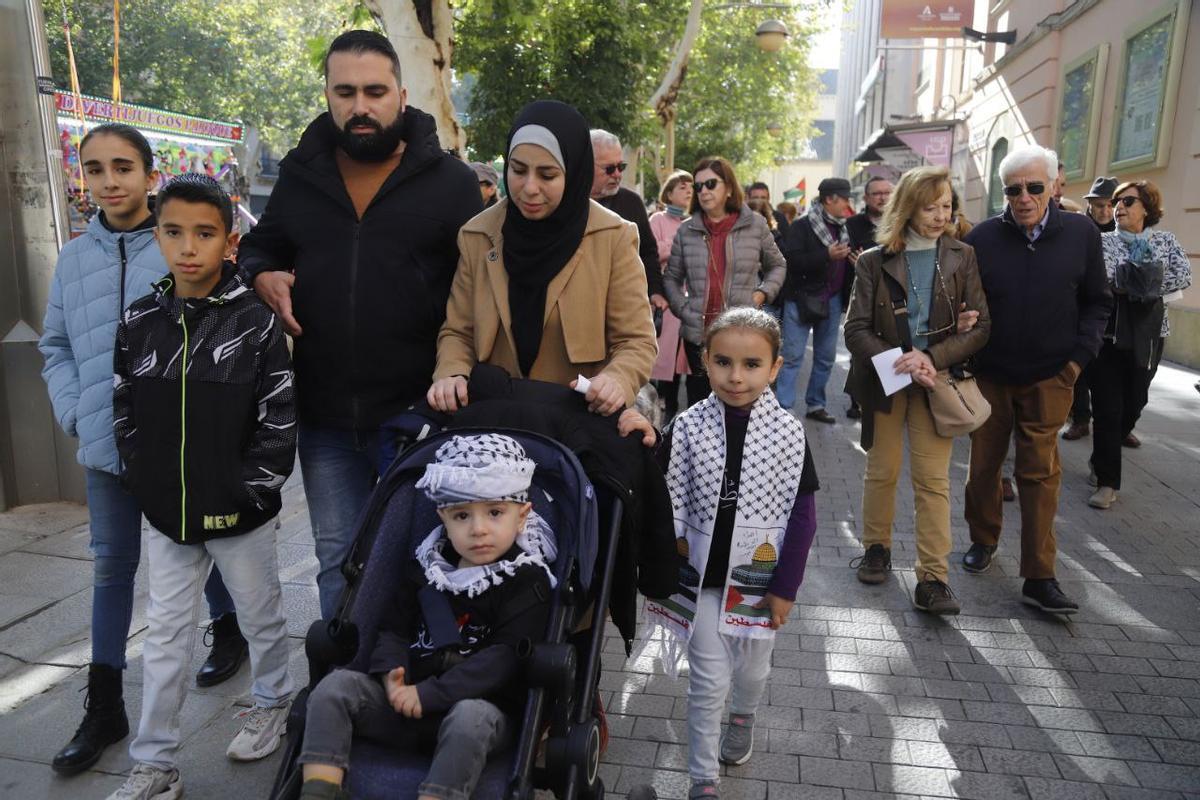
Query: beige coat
[{"x": 597, "y": 314}]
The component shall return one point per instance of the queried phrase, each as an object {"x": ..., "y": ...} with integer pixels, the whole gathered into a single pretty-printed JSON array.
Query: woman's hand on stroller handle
[
  {"x": 605, "y": 395},
  {"x": 448, "y": 394}
]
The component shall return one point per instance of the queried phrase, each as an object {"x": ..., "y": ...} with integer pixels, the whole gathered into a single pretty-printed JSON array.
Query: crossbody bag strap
[{"x": 899, "y": 306}]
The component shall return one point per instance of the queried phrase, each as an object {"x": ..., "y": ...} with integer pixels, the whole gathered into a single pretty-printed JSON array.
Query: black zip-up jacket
[
  {"x": 1048, "y": 299},
  {"x": 861, "y": 229},
  {"x": 204, "y": 409},
  {"x": 492, "y": 626},
  {"x": 370, "y": 293}
]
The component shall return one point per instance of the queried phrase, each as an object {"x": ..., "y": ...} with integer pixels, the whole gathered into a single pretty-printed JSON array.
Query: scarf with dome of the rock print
[{"x": 772, "y": 461}]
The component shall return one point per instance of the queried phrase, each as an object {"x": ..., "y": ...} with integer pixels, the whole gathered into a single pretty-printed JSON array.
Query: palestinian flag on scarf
[{"x": 798, "y": 193}]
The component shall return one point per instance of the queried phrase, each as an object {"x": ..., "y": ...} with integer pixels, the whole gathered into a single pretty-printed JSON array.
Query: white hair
[
  {"x": 1029, "y": 155},
  {"x": 602, "y": 138}
]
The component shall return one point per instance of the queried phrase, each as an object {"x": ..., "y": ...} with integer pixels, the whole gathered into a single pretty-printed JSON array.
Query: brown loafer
[
  {"x": 1131, "y": 441},
  {"x": 1078, "y": 430}
]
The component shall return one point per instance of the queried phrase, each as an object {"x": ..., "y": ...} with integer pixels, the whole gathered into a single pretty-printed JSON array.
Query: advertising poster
[
  {"x": 1146, "y": 57},
  {"x": 1075, "y": 116}
]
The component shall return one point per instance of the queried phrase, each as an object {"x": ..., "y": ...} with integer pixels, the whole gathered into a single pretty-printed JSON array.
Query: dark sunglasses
[
  {"x": 611, "y": 168},
  {"x": 1034, "y": 188},
  {"x": 1128, "y": 200},
  {"x": 709, "y": 184}
]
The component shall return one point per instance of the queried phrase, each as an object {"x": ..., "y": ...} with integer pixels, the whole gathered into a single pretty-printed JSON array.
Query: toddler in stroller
[
  {"x": 444, "y": 671},
  {"x": 391, "y": 529}
]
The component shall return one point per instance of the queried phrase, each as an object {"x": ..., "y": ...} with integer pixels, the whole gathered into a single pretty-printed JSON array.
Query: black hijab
[{"x": 537, "y": 250}]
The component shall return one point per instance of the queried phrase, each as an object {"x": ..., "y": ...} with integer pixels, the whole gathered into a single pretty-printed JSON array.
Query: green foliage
[
  {"x": 235, "y": 59},
  {"x": 608, "y": 58},
  {"x": 734, "y": 91},
  {"x": 602, "y": 58}
]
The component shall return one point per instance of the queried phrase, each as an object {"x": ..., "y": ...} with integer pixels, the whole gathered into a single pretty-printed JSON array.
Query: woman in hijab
[{"x": 549, "y": 284}]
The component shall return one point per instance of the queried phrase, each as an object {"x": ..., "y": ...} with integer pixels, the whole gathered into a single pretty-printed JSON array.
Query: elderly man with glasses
[
  {"x": 1047, "y": 291},
  {"x": 625, "y": 203}
]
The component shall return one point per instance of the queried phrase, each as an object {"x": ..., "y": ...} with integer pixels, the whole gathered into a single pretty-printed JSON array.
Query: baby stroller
[{"x": 562, "y": 679}]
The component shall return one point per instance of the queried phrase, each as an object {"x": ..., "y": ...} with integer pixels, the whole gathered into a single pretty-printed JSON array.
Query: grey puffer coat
[{"x": 753, "y": 261}]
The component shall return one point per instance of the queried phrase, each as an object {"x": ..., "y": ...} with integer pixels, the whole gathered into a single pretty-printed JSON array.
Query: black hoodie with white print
[{"x": 204, "y": 409}]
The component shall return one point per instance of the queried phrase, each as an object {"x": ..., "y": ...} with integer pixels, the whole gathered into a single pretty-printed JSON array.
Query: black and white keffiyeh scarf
[
  {"x": 478, "y": 468},
  {"x": 772, "y": 462},
  {"x": 537, "y": 546},
  {"x": 820, "y": 221}
]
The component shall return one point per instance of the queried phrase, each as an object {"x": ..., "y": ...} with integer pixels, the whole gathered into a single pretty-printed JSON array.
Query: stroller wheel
[
  {"x": 580, "y": 749},
  {"x": 583, "y": 745}
]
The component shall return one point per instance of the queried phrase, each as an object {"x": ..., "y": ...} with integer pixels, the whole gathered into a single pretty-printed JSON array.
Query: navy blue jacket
[{"x": 1048, "y": 299}]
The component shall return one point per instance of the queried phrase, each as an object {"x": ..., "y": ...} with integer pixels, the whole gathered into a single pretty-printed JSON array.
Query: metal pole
[{"x": 47, "y": 120}]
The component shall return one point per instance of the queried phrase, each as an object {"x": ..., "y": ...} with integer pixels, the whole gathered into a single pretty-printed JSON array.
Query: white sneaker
[
  {"x": 148, "y": 782},
  {"x": 260, "y": 734},
  {"x": 1103, "y": 497}
]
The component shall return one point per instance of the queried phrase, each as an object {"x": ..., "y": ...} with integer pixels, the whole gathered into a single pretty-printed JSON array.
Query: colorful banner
[
  {"x": 918, "y": 19},
  {"x": 146, "y": 118}
]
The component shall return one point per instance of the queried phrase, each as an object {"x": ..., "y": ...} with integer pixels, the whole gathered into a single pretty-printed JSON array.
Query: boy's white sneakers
[
  {"x": 148, "y": 782},
  {"x": 260, "y": 734}
]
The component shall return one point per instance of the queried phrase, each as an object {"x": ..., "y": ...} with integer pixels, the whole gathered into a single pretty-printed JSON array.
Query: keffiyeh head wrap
[{"x": 470, "y": 469}]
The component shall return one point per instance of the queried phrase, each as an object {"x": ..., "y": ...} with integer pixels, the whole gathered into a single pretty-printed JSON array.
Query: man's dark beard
[{"x": 375, "y": 146}]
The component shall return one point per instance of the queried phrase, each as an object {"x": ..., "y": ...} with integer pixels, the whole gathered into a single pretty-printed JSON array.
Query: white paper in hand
[
  {"x": 891, "y": 380},
  {"x": 582, "y": 384}
]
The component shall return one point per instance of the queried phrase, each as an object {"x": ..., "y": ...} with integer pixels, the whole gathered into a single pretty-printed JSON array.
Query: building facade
[{"x": 1112, "y": 86}]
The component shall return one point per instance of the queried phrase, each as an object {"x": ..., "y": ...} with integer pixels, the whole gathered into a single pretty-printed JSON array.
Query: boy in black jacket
[
  {"x": 444, "y": 670},
  {"x": 205, "y": 422}
]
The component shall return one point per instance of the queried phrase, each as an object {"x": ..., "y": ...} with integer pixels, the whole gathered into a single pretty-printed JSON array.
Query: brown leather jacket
[{"x": 871, "y": 324}]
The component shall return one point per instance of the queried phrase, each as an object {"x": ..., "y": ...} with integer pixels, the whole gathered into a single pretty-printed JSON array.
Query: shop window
[{"x": 995, "y": 185}]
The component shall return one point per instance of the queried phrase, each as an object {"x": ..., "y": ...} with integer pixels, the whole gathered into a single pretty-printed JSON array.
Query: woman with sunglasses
[
  {"x": 1143, "y": 266},
  {"x": 723, "y": 257},
  {"x": 549, "y": 285},
  {"x": 936, "y": 274}
]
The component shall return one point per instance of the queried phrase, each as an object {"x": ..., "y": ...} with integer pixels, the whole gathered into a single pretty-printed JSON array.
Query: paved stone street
[{"x": 867, "y": 698}]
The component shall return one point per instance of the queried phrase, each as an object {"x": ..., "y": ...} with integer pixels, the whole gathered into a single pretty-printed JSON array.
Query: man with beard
[
  {"x": 625, "y": 203},
  {"x": 356, "y": 253}
]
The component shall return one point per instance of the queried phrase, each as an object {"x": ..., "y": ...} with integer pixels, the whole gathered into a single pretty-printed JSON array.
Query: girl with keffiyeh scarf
[{"x": 741, "y": 481}]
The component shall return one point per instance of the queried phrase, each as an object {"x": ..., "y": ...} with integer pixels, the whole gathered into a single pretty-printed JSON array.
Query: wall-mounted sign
[
  {"x": 1150, "y": 67},
  {"x": 933, "y": 146},
  {"x": 98, "y": 108},
  {"x": 919, "y": 19}
]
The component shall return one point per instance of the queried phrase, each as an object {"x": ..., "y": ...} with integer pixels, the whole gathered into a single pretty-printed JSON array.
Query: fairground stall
[{"x": 181, "y": 143}]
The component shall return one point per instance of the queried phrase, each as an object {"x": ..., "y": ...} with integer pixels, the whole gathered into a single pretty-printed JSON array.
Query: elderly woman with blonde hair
[{"x": 919, "y": 258}]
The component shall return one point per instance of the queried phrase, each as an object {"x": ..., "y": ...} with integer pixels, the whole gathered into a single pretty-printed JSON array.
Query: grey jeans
[
  {"x": 178, "y": 572},
  {"x": 346, "y": 704}
]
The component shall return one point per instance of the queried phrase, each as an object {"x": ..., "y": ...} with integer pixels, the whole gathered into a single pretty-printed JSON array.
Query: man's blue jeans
[
  {"x": 338, "y": 467},
  {"x": 795, "y": 339},
  {"x": 116, "y": 542}
]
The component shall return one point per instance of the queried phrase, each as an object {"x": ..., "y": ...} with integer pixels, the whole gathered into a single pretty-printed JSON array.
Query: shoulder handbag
[
  {"x": 956, "y": 404},
  {"x": 813, "y": 307}
]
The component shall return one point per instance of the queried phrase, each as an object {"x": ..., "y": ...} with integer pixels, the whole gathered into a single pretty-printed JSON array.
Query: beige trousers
[{"x": 929, "y": 464}]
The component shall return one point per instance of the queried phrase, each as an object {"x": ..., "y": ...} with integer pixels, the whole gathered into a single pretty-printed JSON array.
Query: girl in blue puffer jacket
[{"x": 97, "y": 276}]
